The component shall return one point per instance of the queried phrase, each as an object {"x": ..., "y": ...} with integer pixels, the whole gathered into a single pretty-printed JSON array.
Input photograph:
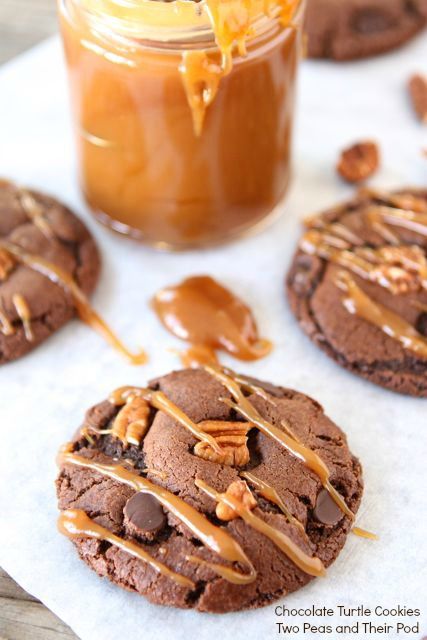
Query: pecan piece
[
  {"x": 6, "y": 264},
  {"x": 359, "y": 162},
  {"x": 131, "y": 423},
  {"x": 231, "y": 437},
  {"x": 401, "y": 269},
  {"x": 418, "y": 94},
  {"x": 240, "y": 491}
]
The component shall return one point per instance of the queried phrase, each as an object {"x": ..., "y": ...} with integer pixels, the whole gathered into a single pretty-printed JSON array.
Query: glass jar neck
[{"x": 180, "y": 22}]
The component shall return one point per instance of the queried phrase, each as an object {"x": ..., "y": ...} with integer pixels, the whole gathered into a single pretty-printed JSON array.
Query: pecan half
[
  {"x": 231, "y": 437},
  {"x": 6, "y": 264},
  {"x": 359, "y": 162},
  {"x": 131, "y": 423},
  {"x": 241, "y": 492},
  {"x": 418, "y": 93}
]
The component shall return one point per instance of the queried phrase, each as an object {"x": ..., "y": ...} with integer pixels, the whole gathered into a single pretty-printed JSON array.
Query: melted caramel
[
  {"x": 269, "y": 493},
  {"x": 35, "y": 213},
  {"x": 403, "y": 218},
  {"x": 6, "y": 327},
  {"x": 74, "y": 523},
  {"x": 311, "y": 460},
  {"x": 158, "y": 400},
  {"x": 357, "y": 302},
  {"x": 201, "y": 77},
  {"x": 231, "y": 25},
  {"x": 377, "y": 265},
  {"x": 197, "y": 355},
  {"x": 86, "y": 313},
  {"x": 398, "y": 200},
  {"x": 213, "y": 537},
  {"x": 24, "y": 314},
  {"x": 362, "y": 533},
  {"x": 311, "y": 565},
  {"x": 400, "y": 268},
  {"x": 203, "y": 312}
]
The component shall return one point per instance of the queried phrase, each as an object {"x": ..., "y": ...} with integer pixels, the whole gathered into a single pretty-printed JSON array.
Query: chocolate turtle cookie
[
  {"x": 345, "y": 30},
  {"x": 207, "y": 490},
  {"x": 44, "y": 248},
  {"x": 358, "y": 287}
]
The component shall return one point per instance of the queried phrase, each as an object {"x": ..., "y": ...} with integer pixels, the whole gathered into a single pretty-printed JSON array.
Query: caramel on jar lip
[
  {"x": 183, "y": 146},
  {"x": 203, "y": 312}
]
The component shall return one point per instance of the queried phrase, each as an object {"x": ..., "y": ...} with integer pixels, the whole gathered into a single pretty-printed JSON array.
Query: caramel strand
[
  {"x": 362, "y": 533},
  {"x": 86, "y": 313},
  {"x": 404, "y": 218},
  {"x": 75, "y": 523},
  {"x": 367, "y": 263},
  {"x": 24, "y": 314},
  {"x": 213, "y": 537},
  {"x": 197, "y": 355},
  {"x": 397, "y": 200},
  {"x": 6, "y": 327},
  {"x": 231, "y": 25},
  {"x": 313, "y": 566},
  {"x": 357, "y": 302},
  {"x": 269, "y": 493},
  {"x": 158, "y": 400},
  {"x": 35, "y": 213},
  {"x": 246, "y": 385},
  {"x": 311, "y": 460}
]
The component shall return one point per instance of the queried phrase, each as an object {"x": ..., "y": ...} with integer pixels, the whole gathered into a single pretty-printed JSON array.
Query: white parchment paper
[{"x": 44, "y": 395}]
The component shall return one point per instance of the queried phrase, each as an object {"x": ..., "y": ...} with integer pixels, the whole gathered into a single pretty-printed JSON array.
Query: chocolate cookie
[
  {"x": 350, "y": 29},
  {"x": 358, "y": 287},
  {"x": 36, "y": 233},
  {"x": 208, "y": 491}
]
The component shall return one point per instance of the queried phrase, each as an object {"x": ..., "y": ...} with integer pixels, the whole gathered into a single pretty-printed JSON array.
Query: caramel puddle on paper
[{"x": 210, "y": 317}]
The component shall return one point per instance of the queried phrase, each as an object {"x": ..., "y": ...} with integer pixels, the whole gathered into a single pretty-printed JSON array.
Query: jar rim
[{"x": 176, "y": 21}]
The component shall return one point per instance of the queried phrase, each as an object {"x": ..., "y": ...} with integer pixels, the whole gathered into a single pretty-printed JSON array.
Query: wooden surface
[
  {"x": 22, "y": 617},
  {"x": 23, "y": 23}
]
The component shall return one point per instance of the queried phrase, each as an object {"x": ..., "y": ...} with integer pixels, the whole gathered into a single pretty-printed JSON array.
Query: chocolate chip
[
  {"x": 421, "y": 325},
  {"x": 369, "y": 21},
  {"x": 326, "y": 510},
  {"x": 145, "y": 512}
]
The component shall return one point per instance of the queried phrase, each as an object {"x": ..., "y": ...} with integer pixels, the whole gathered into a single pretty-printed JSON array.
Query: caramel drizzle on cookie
[
  {"x": 23, "y": 311},
  {"x": 399, "y": 268},
  {"x": 311, "y": 460},
  {"x": 213, "y": 537},
  {"x": 357, "y": 302},
  {"x": 75, "y": 523},
  {"x": 86, "y": 313},
  {"x": 313, "y": 566},
  {"x": 161, "y": 402},
  {"x": 6, "y": 327},
  {"x": 269, "y": 493},
  {"x": 35, "y": 213}
]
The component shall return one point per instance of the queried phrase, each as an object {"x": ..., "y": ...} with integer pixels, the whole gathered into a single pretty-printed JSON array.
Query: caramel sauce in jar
[{"x": 183, "y": 112}]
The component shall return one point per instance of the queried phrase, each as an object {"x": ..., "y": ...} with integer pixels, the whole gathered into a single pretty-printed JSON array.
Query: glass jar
[{"x": 183, "y": 114}]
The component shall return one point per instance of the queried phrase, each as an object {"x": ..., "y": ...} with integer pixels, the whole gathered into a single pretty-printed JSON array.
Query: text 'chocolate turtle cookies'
[
  {"x": 210, "y": 317},
  {"x": 234, "y": 493},
  {"x": 49, "y": 264},
  {"x": 32, "y": 305},
  {"x": 358, "y": 287},
  {"x": 350, "y": 29}
]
